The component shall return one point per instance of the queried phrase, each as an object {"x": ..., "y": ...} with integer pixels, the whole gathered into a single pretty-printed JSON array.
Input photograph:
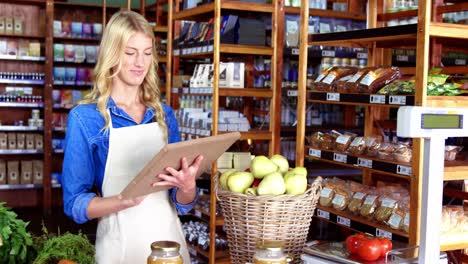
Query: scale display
[{"x": 441, "y": 121}]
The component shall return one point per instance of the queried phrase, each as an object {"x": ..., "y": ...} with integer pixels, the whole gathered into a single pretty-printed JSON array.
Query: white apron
[{"x": 126, "y": 236}]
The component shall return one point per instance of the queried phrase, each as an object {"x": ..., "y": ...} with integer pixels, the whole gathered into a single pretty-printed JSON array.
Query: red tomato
[
  {"x": 369, "y": 249},
  {"x": 352, "y": 243},
  {"x": 385, "y": 246}
]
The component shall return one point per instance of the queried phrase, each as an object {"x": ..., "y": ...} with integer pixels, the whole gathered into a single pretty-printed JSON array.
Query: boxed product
[
  {"x": 35, "y": 49},
  {"x": 97, "y": 30},
  {"x": 76, "y": 29},
  {"x": 30, "y": 144},
  {"x": 87, "y": 30},
  {"x": 18, "y": 25},
  {"x": 11, "y": 140},
  {"x": 66, "y": 98},
  {"x": 222, "y": 81},
  {"x": 20, "y": 140},
  {"x": 37, "y": 171},
  {"x": 2, "y": 25},
  {"x": 59, "y": 52},
  {"x": 13, "y": 172},
  {"x": 26, "y": 172},
  {"x": 81, "y": 76},
  {"x": 57, "y": 25},
  {"x": 77, "y": 95},
  {"x": 39, "y": 141},
  {"x": 66, "y": 29},
  {"x": 59, "y": 75},
  {"x": 23, "y": 49},
  {"x": 89, "y": 76},
  {"x": 12, "y": 47},
  {"x": 56, "y": 97},
  {"x": 3, "y": 141},
  {"x": 235, "y": 74},
  {"x": 91, "y": 54},
  {"x": 79, "y": 53},
  {"x": 3, "y": 47},
  {"x": 8, "y": 25},
  {"x": 70, "y": 75},
  {"x": 3, "y": 172},
  {"x": 292, "y": 31},
  {"x": 69, "y": 52}
]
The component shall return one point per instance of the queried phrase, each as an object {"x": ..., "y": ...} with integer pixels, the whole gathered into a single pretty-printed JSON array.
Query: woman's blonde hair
[{"x": 118, "y": 31}]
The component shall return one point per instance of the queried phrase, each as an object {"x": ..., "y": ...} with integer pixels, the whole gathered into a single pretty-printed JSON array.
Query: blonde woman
[{"x": 111, "y": 135}]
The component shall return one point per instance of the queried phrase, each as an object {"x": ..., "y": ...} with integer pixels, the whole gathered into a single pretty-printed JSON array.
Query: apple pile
[{"x": 266, "y": 176}]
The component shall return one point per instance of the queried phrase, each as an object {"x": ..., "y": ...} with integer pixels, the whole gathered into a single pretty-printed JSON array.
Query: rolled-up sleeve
[{"x": 78, "y": 172}]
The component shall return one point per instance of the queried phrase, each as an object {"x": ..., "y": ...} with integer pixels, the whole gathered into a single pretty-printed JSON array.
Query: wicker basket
[{"x": 249, "y": 219}]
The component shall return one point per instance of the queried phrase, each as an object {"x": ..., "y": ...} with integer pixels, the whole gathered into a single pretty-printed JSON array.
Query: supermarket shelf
[
  {"x": 452, "y": 8},
  {"x": 20, "y": 151},
  {"x": 402, "y": 170},
  {"x": 21, "y": 58},
  {"x": 447, "y": 101},
  {"x": 74, "y": 39},
  {"x": 326, "y": 13},
  {"x": 361, "y": 99},
  {"x": 20, "y": 186},
  {"x": 207, "y": 50},
  {"x": 160, "y": 29},
  {"x": 445, "y": 70},
  {"x": 36, "y": 82},
  {"x": 162, "y": 59},
  {"x": 32, "y": 105},
  {"x": 455, "y": 170},
  {"x": 397, "y": 15},
  {"x": 453, "y": 242},
  {"x": 237, "y": 92},
  {"x": 313, "y": 52},
  {"x": 204, "y": 11},
  {"x": 25, "y": 36},
  {"x": 446, "y": 30},
  {"x": 256, "y": 135},
  {"x": 21, "y": 128},
  {"x": 358, "y": 223}
]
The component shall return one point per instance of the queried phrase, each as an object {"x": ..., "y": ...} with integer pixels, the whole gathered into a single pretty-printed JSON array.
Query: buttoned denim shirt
[{"x": 86, "y": 150}]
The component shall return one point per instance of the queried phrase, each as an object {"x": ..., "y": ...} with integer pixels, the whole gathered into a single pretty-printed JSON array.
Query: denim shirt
[{"x": 86, "y": 150}]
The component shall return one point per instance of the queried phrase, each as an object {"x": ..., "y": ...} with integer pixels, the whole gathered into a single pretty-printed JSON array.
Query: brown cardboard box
[
  {"x": 3, "y": 172},
  {"x": 3, "y": 141},
  {"x": 39, "y": 142},
  {"x": 13, "y": 172},
  {"x": 11, "y": 140},
  {"x": 26, "y": 172},
  {"x": 20, "y": 140},
  {"x": 37, "y": 171},
  {"x": 8, "y": 25},
  {"x": 30, "y": 141}
]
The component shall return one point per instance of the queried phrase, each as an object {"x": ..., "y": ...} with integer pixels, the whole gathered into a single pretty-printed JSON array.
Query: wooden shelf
[
  {"x": 447, "y": 101},
  {"x": 199, "y": 251},
  {"x": 207, "y": 50},
  {"x": 162, "y": 59},
  {"x": 160, "y": 29},
  {"x": 22, "y": 58},
  {"x": 326, "y": 13},
  {"x": 30, "y": 2},
  {"x": 246, "y": 92},
  {"x": 454, "y": 242},
  {"x": 205, "y": 216},
  {"x": 397, "y": 15},
  {"x": 21, "y": 128},
  {"x": 455, "y": 170},
  {"x": 24, "y": 36},
  {"x": 256, "y": 135},
  {"x": 452, "y": 8},
  {"x": 74, "y": 39},
  {"x": 446, "y": 30},
  {"x": 206, "y": 11},
  {"x": 21, "y": 105},
  {"x": 360, "y": 99},
  {"x": 20, "y": 152}
]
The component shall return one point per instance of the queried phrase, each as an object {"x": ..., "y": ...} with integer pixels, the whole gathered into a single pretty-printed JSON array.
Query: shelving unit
[
  {"x": 214, "y": 51},
  {"x": 418, "y": 36}
]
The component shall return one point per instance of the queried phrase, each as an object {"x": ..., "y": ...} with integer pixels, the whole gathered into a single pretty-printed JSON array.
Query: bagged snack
[
  {"x": 357, "y": 146},
  {"x": 356, "y": 202},
  {"x": 368, "y": 206},
  {"x": 385, "y": 209},
  {"x": 343, "y": 141},
  {"x": 452, "y": 151},
  {"x": 386, "y": 151},
  {"x": 376, "y": 79},
  {"x": 373, "y": 147},
  {"x": 327, "y": 193},
  {"x": 319, "y": 78},
  {"x": 403, "y": 153},
  {"x": 316, "y": 139},
  {"x": 341, "y": 199},
  {"x": 329, "y": 139}
]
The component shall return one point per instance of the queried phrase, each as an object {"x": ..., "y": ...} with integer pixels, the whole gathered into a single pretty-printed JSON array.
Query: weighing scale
[{"x": 433, "y": 125}]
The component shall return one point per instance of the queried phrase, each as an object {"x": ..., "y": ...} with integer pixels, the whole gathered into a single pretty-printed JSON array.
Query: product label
[
  {"x": 333, "y": 97},
  {"x": 295, "y": 51},
  {"x": 356, "y": 142},
  {"x": 343, "y": 139},
  {"x": 361, "y": 55},
  {"x": 328, "y": 53},
  {"x": 397, "y": 99},
  {"x": 370, "y": 199},
  {"x": 292, "y": 93},
  {"x": 330, "y": 78},
  {"x": 359, "y": 195},
  {"x": 404, "y": 170},
  {"x": 377, "y": 99},
  {"x": 382, "y": 233},
  {"x": 406, "y": 220},
  {"x": 343, "y": 221},
  {"x": 319, "y": 78},
  {"x": 315, "y": 153},
  {"x": 355, "y": 78},
  {"x": 394, "y": 221},
  {"x": 390, "y": 203},
  {"x": 323, "y": 214},
  {"x": 340, "y": 157},
  {"x": 368, "y": 79},
  {"x": 325, "y": 192},
  {"x": 367, "y": 163},
  {"x": 402, "y": 58},
  {"x": 292, "y": 26},
  {"x": 338, "y": 200}
]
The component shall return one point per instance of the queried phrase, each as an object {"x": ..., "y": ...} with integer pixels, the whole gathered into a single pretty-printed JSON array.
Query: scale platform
[{"x": 336, "y": 252}]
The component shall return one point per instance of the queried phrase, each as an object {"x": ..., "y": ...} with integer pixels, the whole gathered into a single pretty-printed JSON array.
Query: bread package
[
  {"x": 342, "y": 142},
  {"x": 356, "y": 202},
  {"x": 378, "y": 78},
  {"x": 336, "y": 73},
  {"x": 403, "y": 153},
  {"x": 368, "y": 206},
  {"x": 341, "y": 199},
  {"x": 350, "y": 86}
]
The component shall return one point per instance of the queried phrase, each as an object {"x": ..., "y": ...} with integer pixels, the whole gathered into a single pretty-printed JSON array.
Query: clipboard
[{"x": 169, "y": 156}]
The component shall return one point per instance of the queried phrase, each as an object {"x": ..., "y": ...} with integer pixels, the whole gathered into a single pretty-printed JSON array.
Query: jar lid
[
  {"x": 271, "y": 245},
  {"x": 165, "y": 246}
]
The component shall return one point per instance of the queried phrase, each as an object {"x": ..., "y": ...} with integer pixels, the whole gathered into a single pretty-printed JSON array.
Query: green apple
[
  {"x": 224, "y": 176},
  {"x": 239, "y": 181},
  {"x": 296, "y": 184},
  {"x": 272, "y": 183},
  {"x": 281, "y": 162},
  {"x": 251, "y": 191},
  {"x": 261, "y": 166},
  {"x": 300, "y": 170}
]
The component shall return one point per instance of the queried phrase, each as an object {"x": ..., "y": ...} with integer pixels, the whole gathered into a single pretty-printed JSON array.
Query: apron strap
[{"x": 110, "y": 119}]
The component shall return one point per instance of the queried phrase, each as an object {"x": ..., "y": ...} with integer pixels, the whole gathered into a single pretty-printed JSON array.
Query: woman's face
[{"x": 136, "y": 60}]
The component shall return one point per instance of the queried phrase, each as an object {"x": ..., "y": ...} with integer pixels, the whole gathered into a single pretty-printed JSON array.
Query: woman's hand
[{"x": 183, "y": 179}]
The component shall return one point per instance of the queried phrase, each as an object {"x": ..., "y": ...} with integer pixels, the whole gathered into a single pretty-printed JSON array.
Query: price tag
[
  {"x": 333, "y": 97},
  {"x": 210, "y": 48},
  {"x": 323, "y": 214},
  {"x": 340, "y": 157},
  {"x": 192, "y": 251},
  {"x": 377, "y": 99},
  {"x": 361, "y": 55},
  {"x": 295, "y": 51},
  {"x": 204, "y": 48},
  {"x": 315, "y": 153},
  {"x": 199, "y": 49},
  {"x": 198, "y": 213},
  {"x": 175, "y": 90},
  {"x": 328, "y": 53},
  {"x": 382, "y": 233},
  {"x": 366, "y": 163},
  {"x": 460, "y": 62},
  {"x": 397, "y": 99},
  {"x": 184, "y": 51},
  {"x": 402, "y": 58},
  {"x": 292, "y": 93},
  {"x": 404, "y": 170},
  {"x": 343, "y": 221},
  {"x": 185, "y": 90},
  {"x": 176, "y": 52}
]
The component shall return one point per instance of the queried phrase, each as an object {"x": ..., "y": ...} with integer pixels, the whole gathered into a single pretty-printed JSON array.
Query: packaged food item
[
  {"x": 329, "y": 139},
  {"x": 343, "y": 141},
  {"x": 333, "y": 75},
  {"x": 270, "y": 251},
  {"x": 452, "y": 151},
  {"x": 395, "y": 221},
  {"x": 378, "y": 78},
  {"x": 316, "y": 139},
  {"x": 351, "y": 85},
  {"x": 330, "y": 186},
  {"x": 357, "y": 146},
  {"x": 373, "y": 147},
  {"x": 368, "y": 206},
  {"x": 386, "y": 151},
  {"x": 165, "y": 252},
  {"x": 356, "y": 202},
  {"x": 403, "y": 153},
  {"x": 319, "y": 78},
  {"x": 341, "y": 199},
  {"x": 385, "y": 209}
]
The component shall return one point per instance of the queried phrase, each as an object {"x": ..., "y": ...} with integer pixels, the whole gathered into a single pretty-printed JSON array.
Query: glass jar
[
  {"x": 165, "y": 252},
  {"x": 270, "y": 252}
]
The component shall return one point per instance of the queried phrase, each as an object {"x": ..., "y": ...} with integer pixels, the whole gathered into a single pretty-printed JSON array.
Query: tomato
[
  {"x": 352, "y": 243},
  {"x": 385, "y": 246},
  {"x": 369, "y": 249}
]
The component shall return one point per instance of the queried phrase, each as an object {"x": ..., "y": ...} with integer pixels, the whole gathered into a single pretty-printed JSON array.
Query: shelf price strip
[
  {"x": 292, "y": 93},
  {"x": 323, "y": 214},
  {"x": 397, "y": 99},
  {"x": 295, "y": 51},
  {"x": 361, "y": 55},
  {"x": 328, "y": 53},
  {"x": 382, "y": 233},
  {"x": 340, "y": 157},
  {"x": 460, "y": 62},
  {"x": 343, "y": 221},
  {"x": 366, "y": 163},
  {"x": 333, "y": 97},
  {"x": 315, "y": 152},
  {"x": 377, "y": 99}
]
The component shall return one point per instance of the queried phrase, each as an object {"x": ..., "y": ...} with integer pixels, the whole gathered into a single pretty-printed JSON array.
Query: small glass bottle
[
  {"x": 270, "y": 252},
  {"x": 165, "y": 252}
]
